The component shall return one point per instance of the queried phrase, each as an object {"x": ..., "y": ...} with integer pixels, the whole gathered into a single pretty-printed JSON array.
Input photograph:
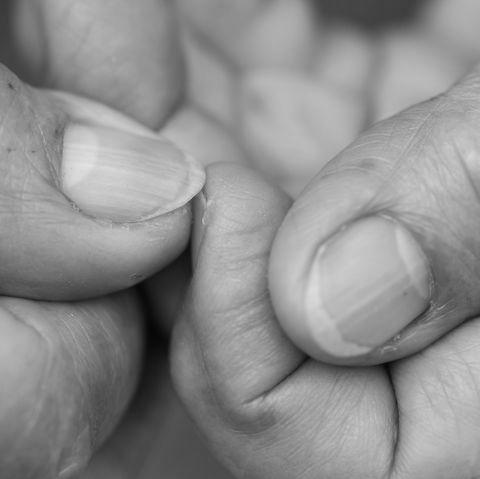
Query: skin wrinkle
[
  {"x": 230, "y": 218},
  {"x": 415, "y": 220},
  {"x": 279, "y": 401},
  {"x": 266, "y": 444},
  {"x": 101, "y": 419},
  {"x": 82, "y": 342},
  {"x": 253, "y": 307},
  {"x": 240, "y": 264},
  {"x": 78, "y": 341},
  {"x": 412, "y": 143},
  {"x": 37, "y": 124},
  {"x": 240, "y": 414},
  {"x": 435, "y": 314},
  {"x": 468, "y": 263},
  {"x": 456, "y": 198},
  {"x": 78, "y": 396},
  {"x": 422, "y": 220},
  {"x": 53, "y": 164},
  {"x": 341, "y": 429},
  {"x": 462, "y": 364},
  {"x": 421, "y": 132},
  {"x": 448, "y": 385},
  {"x": 227, "y": 415},
  {"x": 395, "y": 423},
  {"x": 272, "y": 390},
  {"x": 5, "y": 114},
  {"x": 237, "y": 418},
  {"x": 330, "y": 413},
  {"x": 37, "y": 414}
]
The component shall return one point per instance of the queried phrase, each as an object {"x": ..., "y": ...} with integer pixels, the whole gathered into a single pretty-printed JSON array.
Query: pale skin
[{"x": 265, "y": 408}]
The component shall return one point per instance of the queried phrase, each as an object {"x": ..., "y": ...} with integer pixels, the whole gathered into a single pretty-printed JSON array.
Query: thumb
[
  {"x": 379, "y": 256},
  {"x": 91, "y": 202}
]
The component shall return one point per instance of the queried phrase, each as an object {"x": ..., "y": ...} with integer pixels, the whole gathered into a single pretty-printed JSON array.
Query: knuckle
[
  {"x": 212, "y": 389},
  {"x": 253, "y": 418}
]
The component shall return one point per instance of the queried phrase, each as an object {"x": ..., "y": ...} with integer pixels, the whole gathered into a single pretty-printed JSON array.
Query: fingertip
[
  {"x": 403, "y": 169},
  {"x": 329, "y": 203},
  {"x": 364, "y": 285},
  {"x": 65, "y": 236},
  {"x": 236, "y": 203}
]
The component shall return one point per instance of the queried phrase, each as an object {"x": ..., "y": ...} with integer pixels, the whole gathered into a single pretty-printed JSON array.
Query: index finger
[
  {"x": 268, "y": 410},
  {"x": 122, "y": 53}
]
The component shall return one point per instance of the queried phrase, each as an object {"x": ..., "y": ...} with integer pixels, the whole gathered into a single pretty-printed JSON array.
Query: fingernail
[
  {"x": 125, "y": 177},
  {"x": 367, "y": 283}
]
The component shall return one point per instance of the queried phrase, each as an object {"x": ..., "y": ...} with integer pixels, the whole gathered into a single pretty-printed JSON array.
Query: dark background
[{"x": 372, "y": 13}]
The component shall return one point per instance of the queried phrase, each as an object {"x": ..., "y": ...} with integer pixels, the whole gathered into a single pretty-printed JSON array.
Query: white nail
[{"x": 125, "y": 177}]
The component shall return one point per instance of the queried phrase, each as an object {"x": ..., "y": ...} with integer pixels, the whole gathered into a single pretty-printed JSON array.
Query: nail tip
[
  {"x": 196, "y": 181},
  {"x": 99, "y": 174}
]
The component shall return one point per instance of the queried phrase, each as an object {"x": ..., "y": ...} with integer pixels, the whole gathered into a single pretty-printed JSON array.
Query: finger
[
  {"x": 245, "y": 32},
  {"x": 120, "y": 53},
  {"x": 228, "y": 201},
  {"x": 292, "y": 124},
  {"x": 91, "y": 201},
  {"x": 197, "y": 132},
  {"x": 67, "y": 374},
  {"x": 266, "y": 411},
  {"x": 155, "y": 434},
  {"x": 439, "y": 408},
  {"x": 388, "y": 234}
]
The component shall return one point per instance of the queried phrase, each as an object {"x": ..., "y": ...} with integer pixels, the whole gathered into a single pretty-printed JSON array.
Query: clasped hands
[{"x": 335, "y": 336}]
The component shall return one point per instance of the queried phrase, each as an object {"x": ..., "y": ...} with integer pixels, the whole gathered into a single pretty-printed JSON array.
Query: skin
[
  {"x": 266, "y": 409},
  {"x": 73, "y": 358},
  {"x": 270, "y": 411}
]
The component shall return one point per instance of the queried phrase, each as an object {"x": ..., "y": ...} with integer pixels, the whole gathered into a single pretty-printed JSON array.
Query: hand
[
  {"x": 269, "y": 410},
  {"x": 69, "y": 370}
]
